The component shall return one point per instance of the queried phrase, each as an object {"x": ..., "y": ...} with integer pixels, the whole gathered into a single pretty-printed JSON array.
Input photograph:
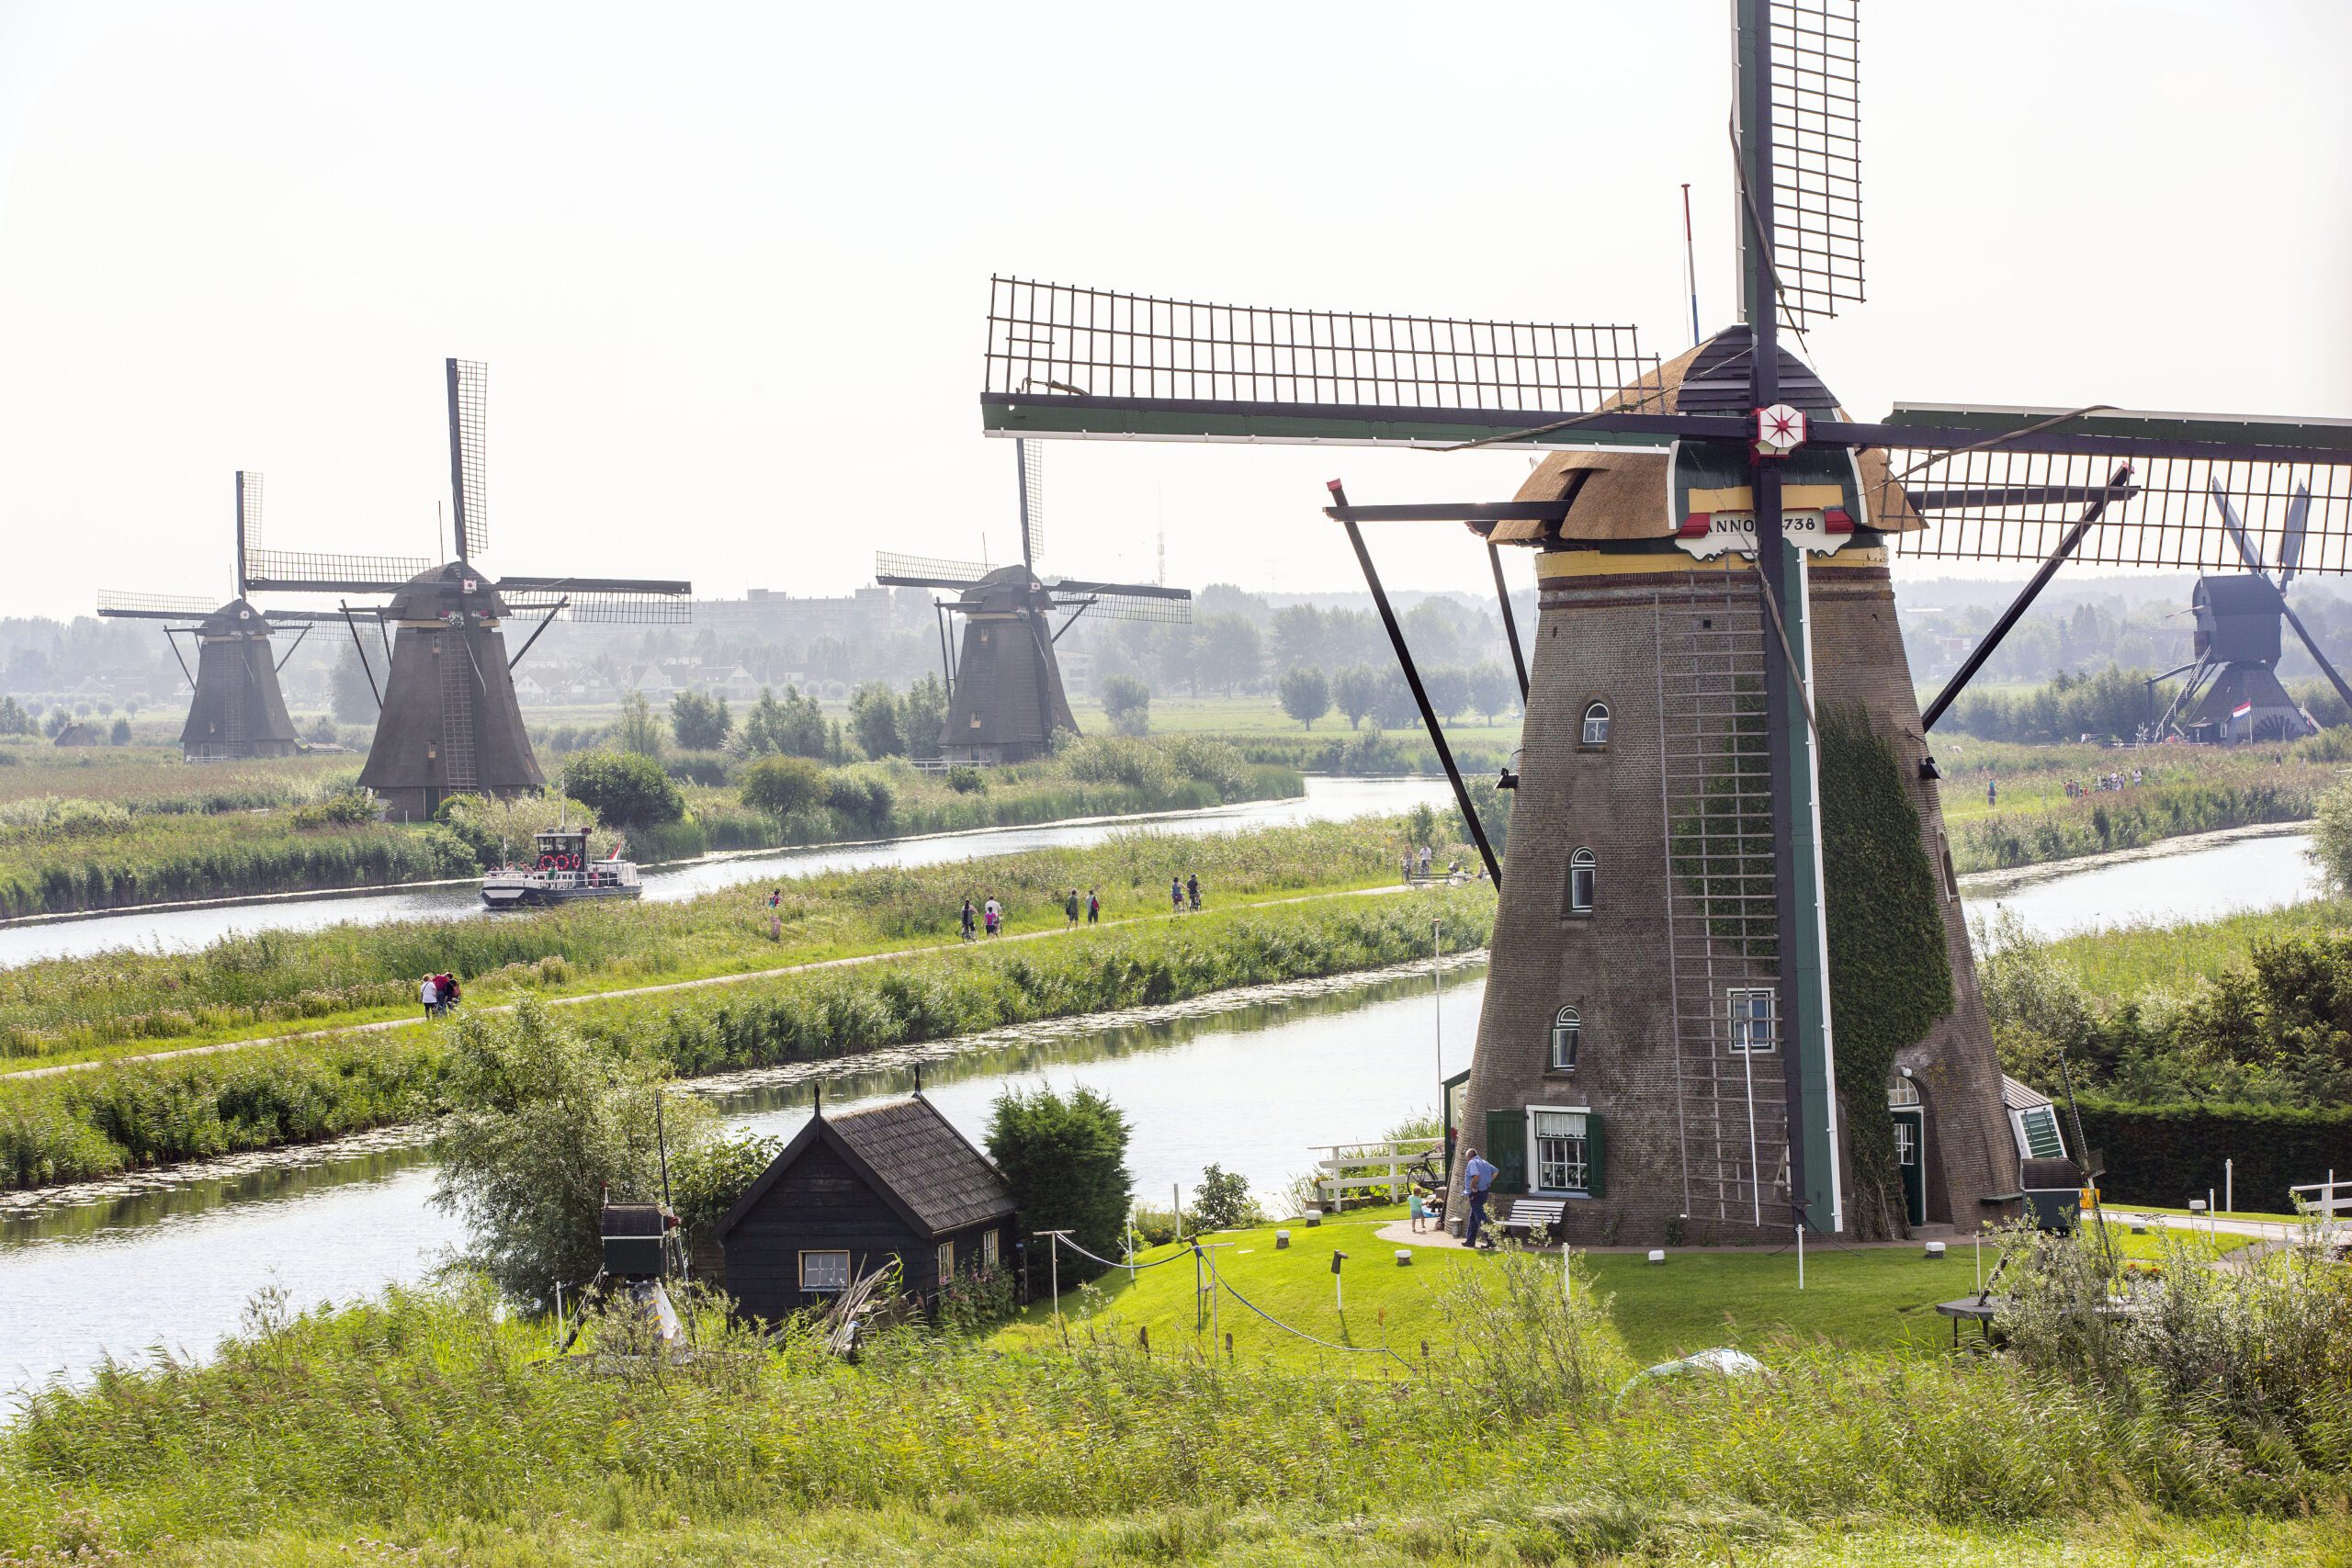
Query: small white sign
[{"x": 1707, "y": 535}]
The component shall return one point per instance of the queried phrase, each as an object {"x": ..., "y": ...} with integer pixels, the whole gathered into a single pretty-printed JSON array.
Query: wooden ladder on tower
[
  {"x": 1714, "y": 796},
  {"x": 458, "y": 773}
]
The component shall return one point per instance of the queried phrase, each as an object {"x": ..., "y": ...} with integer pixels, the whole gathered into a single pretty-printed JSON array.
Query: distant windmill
[
  {"x": 2232, "y": 692},
  {"x": 448, "y": 723},
  {"x": 238, "y": 710},
  {"x": 1005, "y": 696}
]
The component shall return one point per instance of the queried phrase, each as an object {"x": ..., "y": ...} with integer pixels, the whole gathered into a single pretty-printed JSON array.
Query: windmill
[
  {"x": 447, "y": 721},
  {"x": 2232, "y": 692},
  {"x": 1657, "y": 1035},
  {"x": 1004, "y": 690},
  {"x": 238, "y": 710}
]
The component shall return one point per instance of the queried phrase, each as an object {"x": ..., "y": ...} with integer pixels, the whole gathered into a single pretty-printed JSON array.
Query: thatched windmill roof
[{"x": 1622, "y": 495}]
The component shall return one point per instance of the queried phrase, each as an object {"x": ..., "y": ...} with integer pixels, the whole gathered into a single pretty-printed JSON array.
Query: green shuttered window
[{"x": 1506, "y": 1149}]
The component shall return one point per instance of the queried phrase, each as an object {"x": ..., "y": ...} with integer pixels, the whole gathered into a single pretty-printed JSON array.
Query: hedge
[{"x": 2165, "y": 1155}]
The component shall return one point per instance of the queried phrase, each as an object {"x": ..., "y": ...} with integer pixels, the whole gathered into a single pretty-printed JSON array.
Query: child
[{"x": 1421, "y": 1209}]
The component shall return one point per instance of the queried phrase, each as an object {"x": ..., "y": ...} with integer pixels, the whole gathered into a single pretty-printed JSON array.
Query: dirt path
[{"x": 666, "y": 988}]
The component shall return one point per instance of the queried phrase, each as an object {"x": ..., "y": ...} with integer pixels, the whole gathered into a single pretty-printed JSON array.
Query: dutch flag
[{"x": 2242, "y": 710}]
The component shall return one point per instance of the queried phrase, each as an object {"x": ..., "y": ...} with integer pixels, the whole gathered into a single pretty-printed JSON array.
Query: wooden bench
[{"x": 1526, "y": 1214}]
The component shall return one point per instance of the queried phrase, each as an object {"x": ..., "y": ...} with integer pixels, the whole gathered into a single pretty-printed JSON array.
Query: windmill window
[
  {"x": 1584, "y": 873},
  {"x": 1751, "y": 1021},
  {"x": 1596, "y": 725},
  {"x": 1560, "y": 1145},
  {"x": 1567, "y": 1032},
  {"x": 825, "y": 1271}
]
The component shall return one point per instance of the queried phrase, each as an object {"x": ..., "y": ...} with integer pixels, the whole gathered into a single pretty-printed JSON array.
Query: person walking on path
[
  {"x": 994, "y": 913},
  {"x": 1193, "y": 890},
  {"x": 1093, "y": 908},
  {"x": 1175, "y": 896},
  {"x": 967, "y": 918},
  {"x": 1069, "y": 910},
  {"x": 775, "y": 914},
  {"x": 1478, "y": 1179},
  {"x": 450, "y": 993},
  {"x": 429, "y": 994},
  {"x": 1992, "y": 792}
]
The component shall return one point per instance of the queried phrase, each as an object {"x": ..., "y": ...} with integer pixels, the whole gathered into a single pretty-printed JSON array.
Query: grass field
[
  {"x": 2127, "y": 962},
  {"x": 1237, "y": 718},
  {"x": 1867, "y": 1299}
]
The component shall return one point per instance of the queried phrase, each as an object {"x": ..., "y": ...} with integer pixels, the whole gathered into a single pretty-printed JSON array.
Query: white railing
[
  {"x": 1347, "y": 1168},
  {"x": 2329, "y": 1197}
]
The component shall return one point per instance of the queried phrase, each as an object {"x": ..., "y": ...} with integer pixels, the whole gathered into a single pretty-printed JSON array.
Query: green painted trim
[{"x": 2320, "y": 435}]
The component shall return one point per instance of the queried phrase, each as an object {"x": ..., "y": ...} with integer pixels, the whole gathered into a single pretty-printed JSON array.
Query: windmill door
[{"x": 1910, "y": 1134}]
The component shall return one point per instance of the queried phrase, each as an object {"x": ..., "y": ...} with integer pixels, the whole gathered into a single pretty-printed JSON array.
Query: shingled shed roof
[
  {"x": 913, "y": 1156},
  {"x": 1622, "y": 495}
]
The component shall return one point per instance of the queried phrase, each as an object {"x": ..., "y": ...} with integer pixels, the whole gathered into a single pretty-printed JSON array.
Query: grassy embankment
[
  {"x": 143, "y": 1112},
  {"x": 281, "y": 982},
  {"x": 121, "y": 826},
  {"x": 429, "y": 1425}
]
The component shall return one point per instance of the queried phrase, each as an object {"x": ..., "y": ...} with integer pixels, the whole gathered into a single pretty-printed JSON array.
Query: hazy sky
[{"x": 730, "y": 265}]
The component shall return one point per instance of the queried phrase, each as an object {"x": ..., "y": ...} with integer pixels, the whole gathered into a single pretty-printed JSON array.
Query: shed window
[
  {"x": 946, "y": 1260},
  {"x": 2038, "y": 1132},
  {"x": 1584, "y": 872},
  {"x": 1751, "y": 1022},
  {"x": 1561, "y": 1146},
  {"x": 990, "y": 1241},
  {"x": 825, "y": 1271},
  {"x": 1568, "y": 1032},
  {"x": 1596, "y": 725}
]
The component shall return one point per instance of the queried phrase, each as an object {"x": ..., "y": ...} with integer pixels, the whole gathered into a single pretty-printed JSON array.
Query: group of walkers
[
  {"x": 1419, "y": 865},
  {"x": 439, "y": 993},
  {"x": 1184, "y": 893},
  {"x": 2076, "y": 789},
  {"x": 987, "y": 918}
]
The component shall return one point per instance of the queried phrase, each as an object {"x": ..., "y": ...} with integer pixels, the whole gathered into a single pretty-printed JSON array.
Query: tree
[
  {"x": 866, "y": 802},
  {"x": 121, "y": 734},
  {"x": 922, "y": 715},
  {"x": 1230, "y": 651},
  {"x": 700, "y": 722},
  {"x": 544, "y": 1123},
  {"x": 782, "y": 785},
  {"x": 354, "y": 699},
  {"x": 1128, "y": 702},
  {"x": 795, "y": 725},
  {"x": 2332, "y": 837},
  {"x": 1448, "y": 690},
  {"x": 1299, "y": 636},
  {"x": 625, "y": 789},
  {"x": 639, "y": 732},
  {"x": 874, "y": 718},
  {"x": 1493, "y": 689},
  {"x": 1065, "y": 1158},
  {"x": 14, "y": 719},
  {"x": 1223, "y": 1201},
  {"x": 1306, "y": 695},
  {"x": 1355, "y": 691}
]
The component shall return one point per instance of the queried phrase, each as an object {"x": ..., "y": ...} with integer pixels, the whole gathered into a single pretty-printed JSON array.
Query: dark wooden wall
[{"x": 819, "y": 1204}]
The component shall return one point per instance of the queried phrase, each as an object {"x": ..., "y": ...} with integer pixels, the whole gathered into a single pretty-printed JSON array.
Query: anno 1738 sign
[{"x": 1713, "y": 505}]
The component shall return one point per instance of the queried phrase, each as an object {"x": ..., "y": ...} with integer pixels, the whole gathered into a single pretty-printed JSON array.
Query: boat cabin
[
  {"x": 853, "y": 1190},
  {"x": 561, "y": 854}
]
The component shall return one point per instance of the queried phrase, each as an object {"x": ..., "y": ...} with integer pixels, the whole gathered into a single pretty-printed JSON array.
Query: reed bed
[{"x": 139, "y": 1114}]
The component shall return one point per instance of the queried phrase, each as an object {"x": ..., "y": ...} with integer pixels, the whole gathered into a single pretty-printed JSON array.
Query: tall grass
[
  {"x": 79, "y": 1125},
  {"x": 240, "y": 982},
  {"x": 432, "y": 1418}
]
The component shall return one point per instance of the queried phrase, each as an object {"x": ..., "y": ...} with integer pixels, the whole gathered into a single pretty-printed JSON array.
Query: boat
[{"x": 560, "y": 873}]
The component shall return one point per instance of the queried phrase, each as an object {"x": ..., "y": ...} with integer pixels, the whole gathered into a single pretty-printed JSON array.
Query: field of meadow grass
[
  {"x": 132, "y": 1114},
  {"x": 270, "y": 982},
  {"x": 435, "y": 1425}
]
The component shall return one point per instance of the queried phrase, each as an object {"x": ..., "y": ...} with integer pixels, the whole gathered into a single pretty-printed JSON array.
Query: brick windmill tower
[
  {"x": 447, "y": 721},
  {"x": 1731, "y": 996}
]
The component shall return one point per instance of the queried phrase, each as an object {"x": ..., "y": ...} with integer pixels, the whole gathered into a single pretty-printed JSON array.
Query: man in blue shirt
[{"x": 1477, "y": 1176}]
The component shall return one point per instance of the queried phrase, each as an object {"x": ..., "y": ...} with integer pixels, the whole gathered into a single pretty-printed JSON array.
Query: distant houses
[{"x": 854, "y": 1191}]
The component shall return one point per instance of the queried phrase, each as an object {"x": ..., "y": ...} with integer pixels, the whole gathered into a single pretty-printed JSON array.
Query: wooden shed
[{"x": 851, "y": 1192}]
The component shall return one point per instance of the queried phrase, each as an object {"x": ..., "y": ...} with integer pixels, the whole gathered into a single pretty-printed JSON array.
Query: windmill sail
[
  {"x": 1816, "y": 254},
  {"x": 114, "y": 604},
  {"x": 893, "y": 569},
  {"x": 469, "y": 410}
]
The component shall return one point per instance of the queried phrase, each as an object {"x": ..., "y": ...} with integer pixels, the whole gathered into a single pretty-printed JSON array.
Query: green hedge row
[
  {"x": 81, "y": 1125},
  {"x": 2165, "y": 1155}
]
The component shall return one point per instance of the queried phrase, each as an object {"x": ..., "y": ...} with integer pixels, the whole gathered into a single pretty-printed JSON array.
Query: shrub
[
  {"x": 866, "y": 802},
  {"x": 708, "y": 1179},
  {"x": 1127, "y": 703},
  {"x": 625, "y": 789},
  {"x": 1065, "y": 1160},
  {"x": 964, "y": 779},
  {"x": 1214, "y": 762},
  {"x": 781, "y": 786},
  {"x": 1224, "y": 1201},
  {"x": 347, "y": 809},
  {"x": 1113, "y": 759},
  {"x": 707, "y": 769}
]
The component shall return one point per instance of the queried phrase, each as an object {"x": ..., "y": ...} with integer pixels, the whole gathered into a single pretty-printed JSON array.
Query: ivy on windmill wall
[{"x": 1890, "y": 977}]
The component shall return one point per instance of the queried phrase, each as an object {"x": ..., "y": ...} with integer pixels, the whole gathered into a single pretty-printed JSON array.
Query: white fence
[
  {"x": 2328, "y": 1198},
  {"x": 1352, "y": 1168}
]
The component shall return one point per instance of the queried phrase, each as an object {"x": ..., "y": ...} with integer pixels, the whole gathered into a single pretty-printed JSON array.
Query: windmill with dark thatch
[
  {"x": 447, "y": 721},
  {"x": 237, "y": 709},
  {"x": 1004, "y": 689},
  {"x": 1726, "y": 808}
]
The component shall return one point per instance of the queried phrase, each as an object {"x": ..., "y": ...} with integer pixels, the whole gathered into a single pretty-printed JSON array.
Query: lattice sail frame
[
  {"x": 155, "y": 606},
  {"x": 1049, "y": 338},
  {"x": 1111, "y": 605},
  {"x": 2168, "y": 517},
  {"x": 1815, "y": 61},
  {"x": 931, "y": 572},
  {"x": 601, "y": 606},
  {"x": 468, "y": 476},
  {"x": 318, "y": 571}
]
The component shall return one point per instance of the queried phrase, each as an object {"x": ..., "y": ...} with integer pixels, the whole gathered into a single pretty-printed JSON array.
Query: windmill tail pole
[
  {"x": 2022, "y": 603},
  {"x": 1421, "y": 696}
]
